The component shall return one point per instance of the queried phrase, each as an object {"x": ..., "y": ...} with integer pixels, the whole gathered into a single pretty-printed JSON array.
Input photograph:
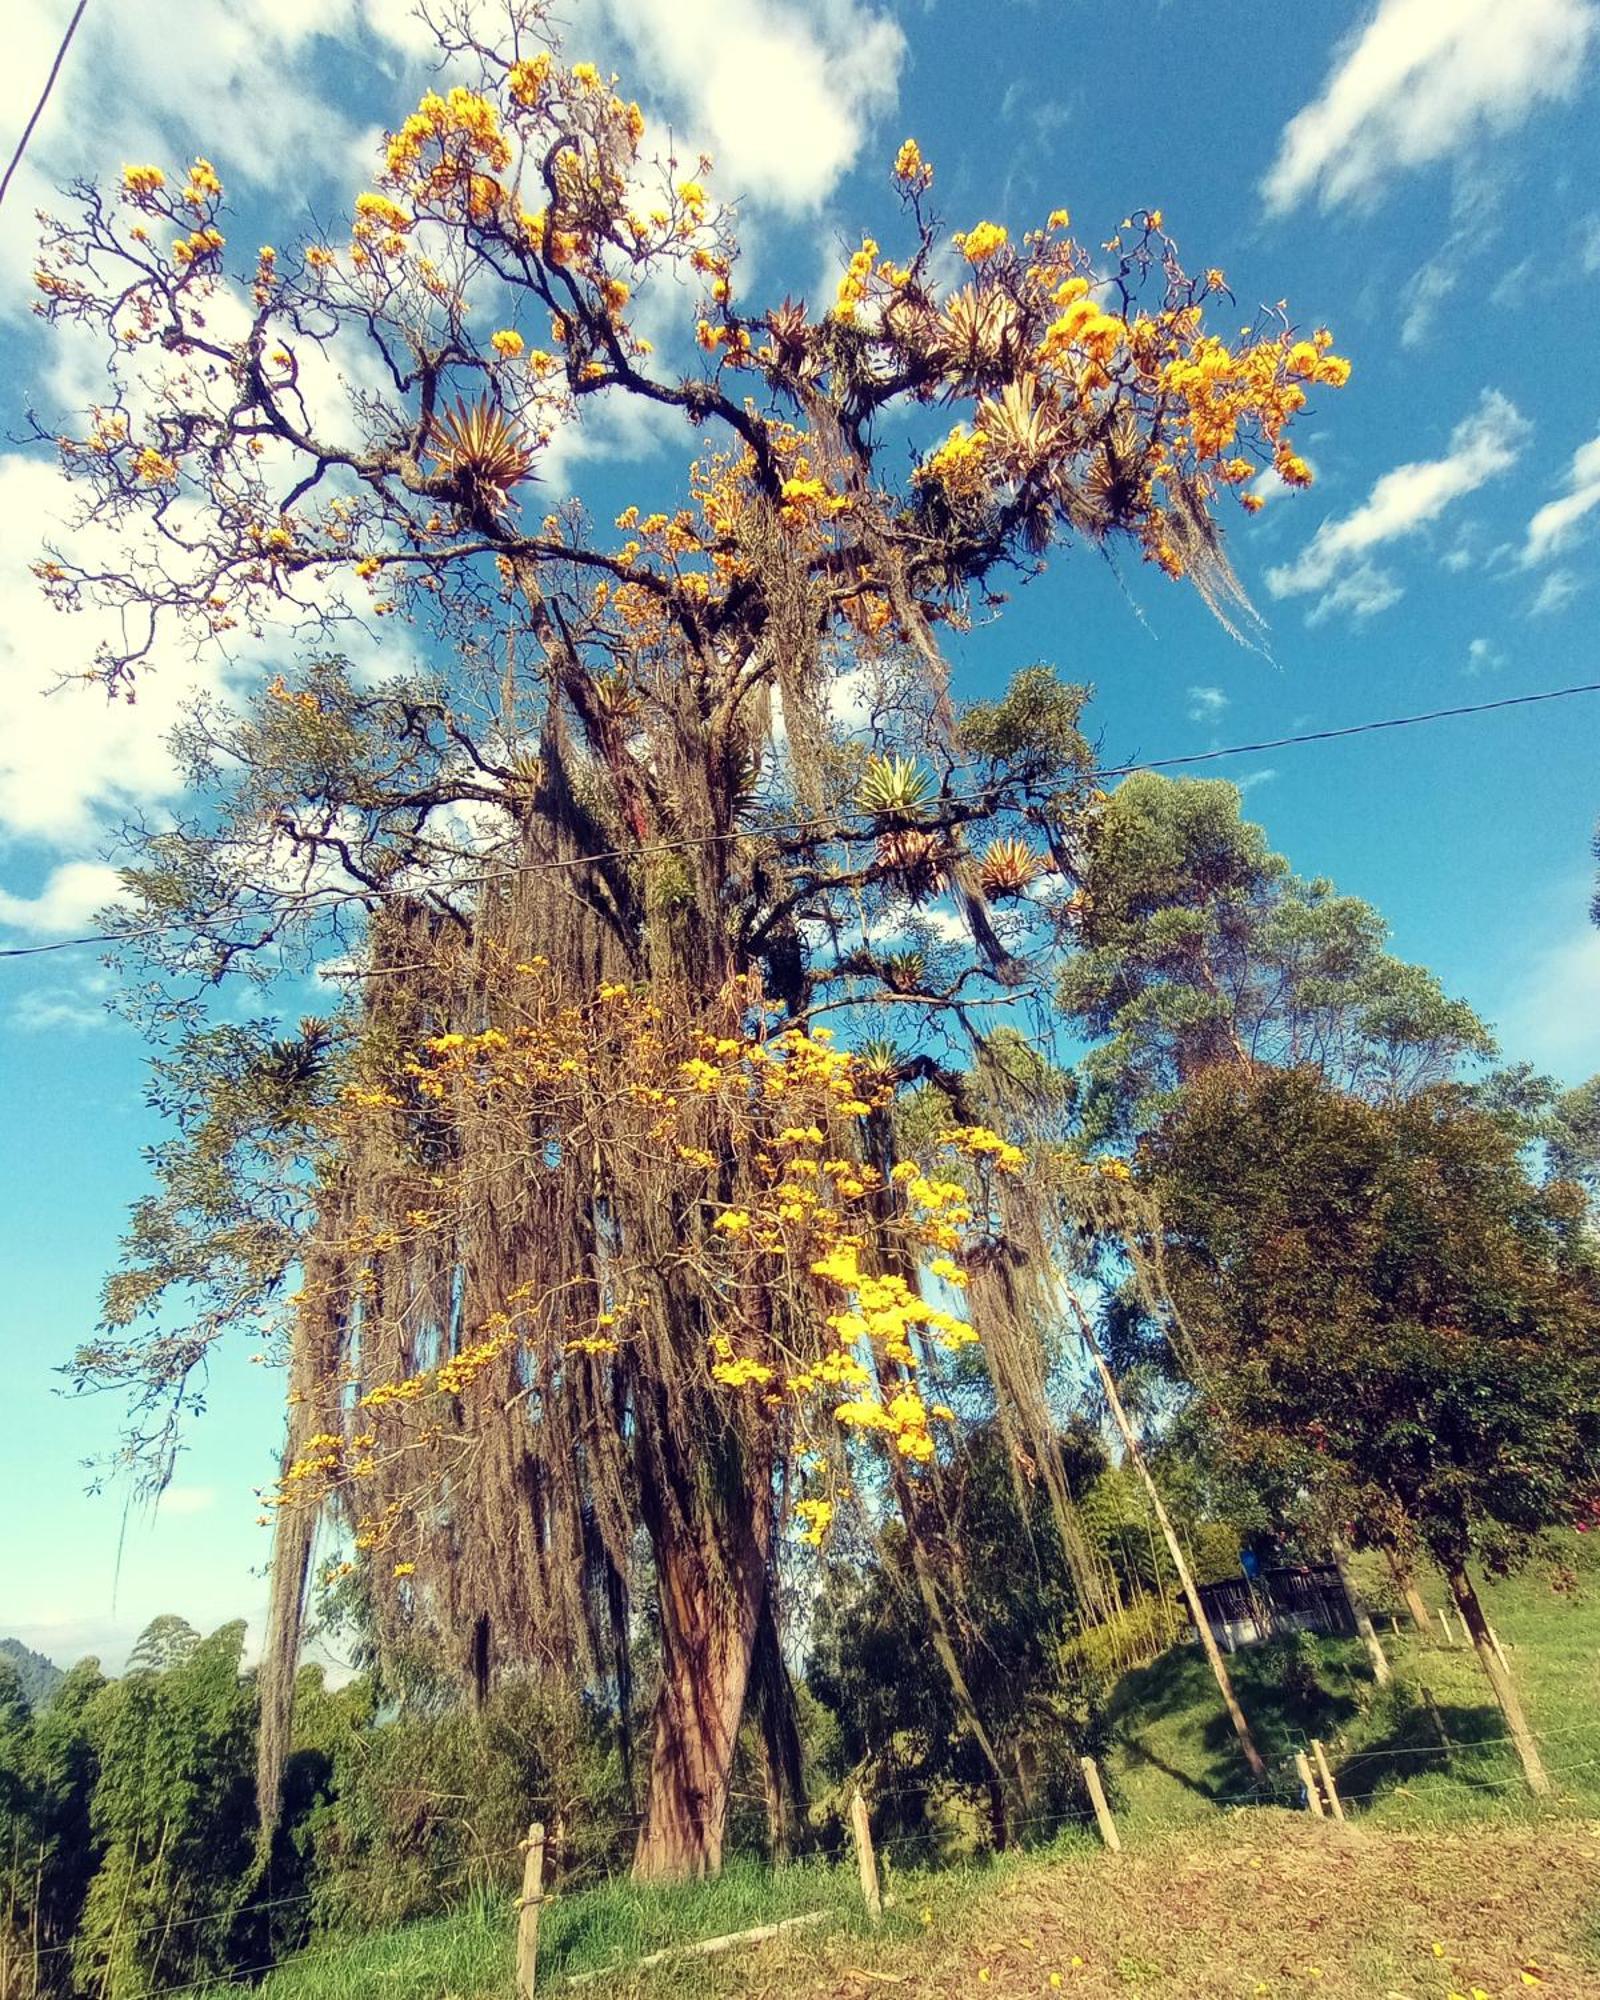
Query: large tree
[{"x": 567, "y": 1277}]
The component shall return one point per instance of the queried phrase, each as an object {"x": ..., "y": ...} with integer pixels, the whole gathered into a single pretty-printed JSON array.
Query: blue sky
[{"x": 1422, "y": 178}]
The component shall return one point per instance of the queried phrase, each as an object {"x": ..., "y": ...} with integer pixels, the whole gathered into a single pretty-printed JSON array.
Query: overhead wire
[
  {"x": 825, "y": 824},
  {"x": 44, "y": 98}
]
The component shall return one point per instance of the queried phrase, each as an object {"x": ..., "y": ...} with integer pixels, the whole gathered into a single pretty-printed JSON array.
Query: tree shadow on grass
[
  {"x": 1169, "y": 1716},
  {"x": 1407, "y": 1745}
]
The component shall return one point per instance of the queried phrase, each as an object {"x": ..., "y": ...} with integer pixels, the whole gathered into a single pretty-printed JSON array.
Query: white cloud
[
  {"x": 70, "y": 758},
  {"x": 255, "y": 96},
  {"x": 71, "y": 896},
  {"x": 1552, "y": 1015},
  {"x": 1555, "y": 593},
  {"x": 1206, "y": 703},
  {"x": 1482, "y": 655},
  {"x": 1554, "y": 526},
  {"x": 784, "y": 94},
  {"x": 187, "y": 1500},
  {"x": 1335, "y": 564},
  {"x": 47, "y": 1011},
  {"x": 1361, "y": 592},
  {"x": 1420, "y": 80}
]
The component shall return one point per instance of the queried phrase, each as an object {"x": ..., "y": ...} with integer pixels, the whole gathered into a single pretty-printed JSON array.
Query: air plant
[
  {"x": 894, "y": 789},
  {"x": 1009, "y": 868},
  {"x": 915, "y": 858},
  {"x": 481, "y": 452}
]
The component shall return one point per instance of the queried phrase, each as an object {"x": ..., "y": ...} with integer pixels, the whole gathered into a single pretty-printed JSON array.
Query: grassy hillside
[
  {"x": 1176, "y": 1761},
  {"x": 1448, "y": 1881}
]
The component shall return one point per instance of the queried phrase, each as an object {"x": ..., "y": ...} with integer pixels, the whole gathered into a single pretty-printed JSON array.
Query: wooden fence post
[
  {"x": 1446, "y": 1627},
  {"x": 1325, "y": 1773},
  {"x": 1102, "y": 1812},
  {"x": 1499, "y": 1650},
  {"x": 1302, "y": 1764},
  {"x": 866, "y": 1860},
  {"x": 528, "y": 1910}
]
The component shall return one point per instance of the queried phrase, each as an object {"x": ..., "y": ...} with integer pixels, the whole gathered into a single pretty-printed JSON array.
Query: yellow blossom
[{"x": 980, "y": 243}]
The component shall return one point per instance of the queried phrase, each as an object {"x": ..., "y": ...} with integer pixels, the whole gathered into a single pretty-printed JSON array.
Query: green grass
[
  {"x": 594, "y": 1930},
  {"x": 1175, "y": 1760}
]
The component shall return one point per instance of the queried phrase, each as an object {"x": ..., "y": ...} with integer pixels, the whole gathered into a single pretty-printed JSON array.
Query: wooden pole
[
  {"x": 1359, "y": 1613},
  {"x": 1308, "y": 1778},
  {"x": 706, "y": 1948},
  {"x": 1446, "y": 1627},
  {"x": 1499, "y": 1650},
  {"x": 1325, "y": 1773},
  {"x": 1102, "y": 1812},
  {"x": 1136, "y": 1457},
  {"x": 866, "y": 1860},
  {"x": 528, "y": 1910},
  {"x": 1476, "y": 1627}
]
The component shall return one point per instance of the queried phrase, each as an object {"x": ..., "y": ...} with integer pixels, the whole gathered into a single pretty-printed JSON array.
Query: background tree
[{"x": 1198, "y": 946}]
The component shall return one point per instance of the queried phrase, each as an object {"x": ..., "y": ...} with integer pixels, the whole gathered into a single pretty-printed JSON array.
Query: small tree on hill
[{"x": 1387, "y": 1308}]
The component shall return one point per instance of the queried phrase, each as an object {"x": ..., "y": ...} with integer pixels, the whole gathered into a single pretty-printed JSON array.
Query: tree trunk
[
  {"x": 778, "y": 1733},
  {"x": 1119, "y": 1416},
  {"x": 1505, "y": 1689},
  {"x": 1406, "y": 1583},
  {"x": 711, "y": 1591},
  {"x": 1359, "y": 1612}
]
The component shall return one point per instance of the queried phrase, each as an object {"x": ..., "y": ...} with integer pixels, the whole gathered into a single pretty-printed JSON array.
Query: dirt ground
[{"x": 1262, "y": 1904}]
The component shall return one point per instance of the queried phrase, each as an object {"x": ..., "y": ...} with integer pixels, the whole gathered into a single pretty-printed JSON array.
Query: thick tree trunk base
[{"x": 709, "y": 1618}]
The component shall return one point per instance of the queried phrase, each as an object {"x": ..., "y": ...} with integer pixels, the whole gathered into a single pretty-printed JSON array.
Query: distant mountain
[{"x": 40, "y": 1677}]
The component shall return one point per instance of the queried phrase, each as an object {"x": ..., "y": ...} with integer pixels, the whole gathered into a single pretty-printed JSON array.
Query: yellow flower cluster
[
  {"x": 507, "y": 343},
  {"x": 980, "y": 1143},
  {"x": 981, "y": 243},
  {"x": 816, "y": 1514},
  {"x": 142, "y": 182},
  {"x": 202, "y": 185},
  {"x": 154, "y": 468},
  {"x": 960, "y": 463},
  {"x": 857, "y": 276},
  {"x": 195, "y": 248},
  {"x": 463, "y": 118},
  {"x": 911, "y": 170},
  {"x": 526, "y": 80}
]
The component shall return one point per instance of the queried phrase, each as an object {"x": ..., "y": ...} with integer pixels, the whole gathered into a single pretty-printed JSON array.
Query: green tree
[
  {"x": 173, "y": 1816},
  {"x": 1198, "y": 946},
  {"x": 1383, "y": 1307}
]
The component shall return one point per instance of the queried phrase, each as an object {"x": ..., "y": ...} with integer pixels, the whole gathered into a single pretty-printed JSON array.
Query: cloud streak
[
  {"x": 1336, "y": 565},
  {"x": 784, "y": 94},
  {"x": 1556, "y": 524},
  {"x": 1421, "y": 80}
]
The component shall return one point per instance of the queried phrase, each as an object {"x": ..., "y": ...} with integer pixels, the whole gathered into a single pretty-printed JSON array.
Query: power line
[
  {"x": 44, "y": 97},
  {"x": 842, "y": 830}
]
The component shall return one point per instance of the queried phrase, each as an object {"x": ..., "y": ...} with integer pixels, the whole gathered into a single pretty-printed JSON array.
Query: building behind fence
[{"x": 1244, "y": 1610}]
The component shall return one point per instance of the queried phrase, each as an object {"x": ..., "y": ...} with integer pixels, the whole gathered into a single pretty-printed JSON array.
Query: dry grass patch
[{"x": 1259, "y": 1904}]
